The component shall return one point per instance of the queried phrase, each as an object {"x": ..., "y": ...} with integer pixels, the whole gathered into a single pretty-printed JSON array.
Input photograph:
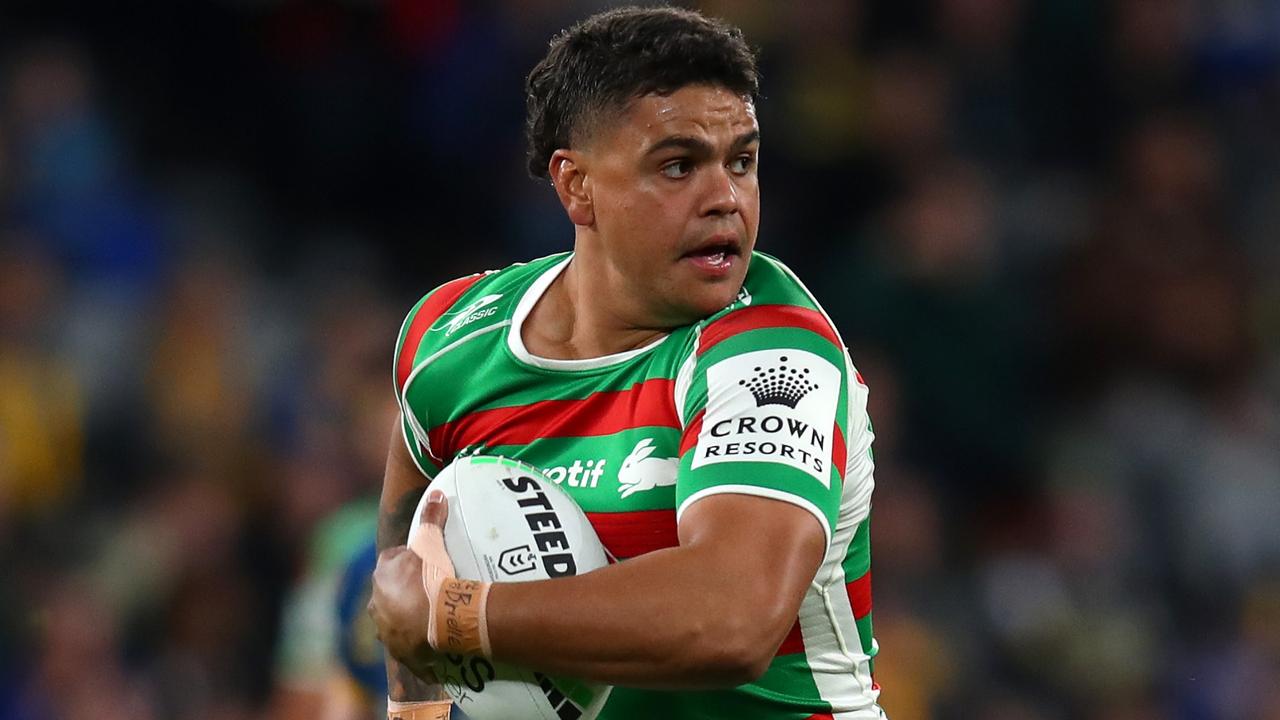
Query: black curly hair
[{"x": 595, "y": 68}]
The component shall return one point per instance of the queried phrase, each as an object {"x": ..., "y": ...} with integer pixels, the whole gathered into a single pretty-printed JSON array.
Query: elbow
[
  {"x": 747, "y": 666},
  {"x": 737, "y": 648}
]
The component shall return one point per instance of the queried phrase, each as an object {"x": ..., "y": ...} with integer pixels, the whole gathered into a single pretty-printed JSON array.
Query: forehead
[{"x": 691, "y": 110}]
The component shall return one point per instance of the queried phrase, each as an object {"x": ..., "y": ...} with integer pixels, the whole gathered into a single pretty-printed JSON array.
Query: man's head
[
  {"x": 595, "y": 68},
  {"x": 644, "y": 120}
]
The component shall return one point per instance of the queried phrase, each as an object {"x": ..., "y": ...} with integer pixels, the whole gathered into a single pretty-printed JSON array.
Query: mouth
[{"x": 715, "y": 253}]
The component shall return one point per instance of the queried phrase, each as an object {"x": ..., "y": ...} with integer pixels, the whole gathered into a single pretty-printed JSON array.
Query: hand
[
  {"x": 400, "y": 609},
  {"x": 405, "y": 583},
  {"x": 427, "y": 542}
]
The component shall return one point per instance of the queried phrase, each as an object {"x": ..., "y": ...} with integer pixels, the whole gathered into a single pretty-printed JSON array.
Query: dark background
[{"x": 1049, "y": 232}]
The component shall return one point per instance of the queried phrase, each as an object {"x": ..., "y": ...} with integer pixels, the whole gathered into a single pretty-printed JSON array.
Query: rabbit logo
[{"x": 640, "y": 472}]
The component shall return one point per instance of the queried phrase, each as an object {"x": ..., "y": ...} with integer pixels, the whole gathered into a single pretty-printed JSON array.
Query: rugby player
[{"x": 686, "y": 390}]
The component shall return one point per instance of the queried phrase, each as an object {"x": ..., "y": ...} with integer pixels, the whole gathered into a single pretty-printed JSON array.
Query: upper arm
[
  {"x": 410, "y": 464},
  {"x": 763, "y": 456},
  {"x": 402, "y": 484},
  {"x": 767, "y": 412},
  {"x": 765, "y": 553},
  {"x": 762, "y": 460}
]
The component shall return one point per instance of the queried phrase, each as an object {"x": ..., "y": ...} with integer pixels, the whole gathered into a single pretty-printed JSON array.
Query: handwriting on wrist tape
[{"x": 459, "y": 617}]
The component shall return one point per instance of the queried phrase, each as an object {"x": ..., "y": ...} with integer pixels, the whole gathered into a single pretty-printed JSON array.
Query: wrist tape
[
  {"x": 458, "y": 622},
  {"x": 418, "y": 710}
]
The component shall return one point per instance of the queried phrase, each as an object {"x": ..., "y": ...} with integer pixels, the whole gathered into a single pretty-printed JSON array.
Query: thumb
[
  {"x": 437, "y": 510},
  {"x": 436, "y": 564}
]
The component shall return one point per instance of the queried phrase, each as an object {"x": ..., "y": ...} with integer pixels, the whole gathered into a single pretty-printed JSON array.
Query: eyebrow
[{"x": 698, "y": 145}]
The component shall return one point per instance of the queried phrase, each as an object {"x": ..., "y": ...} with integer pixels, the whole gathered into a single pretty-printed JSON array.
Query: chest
[
  {"x": 610, "y": 440},
  {"x": 612, "y": 450}
]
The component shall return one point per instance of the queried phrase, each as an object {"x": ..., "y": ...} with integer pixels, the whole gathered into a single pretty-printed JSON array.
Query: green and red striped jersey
[{"x": 759, "y": 399}]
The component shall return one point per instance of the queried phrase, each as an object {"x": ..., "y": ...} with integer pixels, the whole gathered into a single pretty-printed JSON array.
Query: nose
[{"x": 721, "y": 193}]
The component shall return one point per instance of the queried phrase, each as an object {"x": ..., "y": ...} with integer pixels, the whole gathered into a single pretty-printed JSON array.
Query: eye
[
  {"x": 677, "y": 169},
  {"x": 742, "y": 164}
]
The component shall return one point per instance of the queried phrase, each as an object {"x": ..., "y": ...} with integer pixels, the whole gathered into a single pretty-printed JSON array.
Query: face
[{"x": 675, "y": 202}]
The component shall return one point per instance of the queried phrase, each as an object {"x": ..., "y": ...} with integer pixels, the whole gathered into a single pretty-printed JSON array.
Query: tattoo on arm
[
  {"x": 393, "y": 529},
  {"x": 404, "y": 686},
  {"x": 393, "y": 526}
]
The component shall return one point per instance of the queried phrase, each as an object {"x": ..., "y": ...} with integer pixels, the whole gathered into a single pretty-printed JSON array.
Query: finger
[
  {"x": 387, "y": 559},
  {"x": 390, "y": 553},
  {"x": 437, "y": 510},
  {"x": 394, "y": 563},
  {"x": 375, "y": 614}
]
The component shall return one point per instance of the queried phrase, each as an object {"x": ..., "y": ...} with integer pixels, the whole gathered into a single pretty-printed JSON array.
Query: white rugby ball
[{"x": 509, "y": 523}]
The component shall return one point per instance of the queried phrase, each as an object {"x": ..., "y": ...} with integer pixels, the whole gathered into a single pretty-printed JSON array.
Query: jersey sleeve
[
  {"x": 417, "y": 445},
  {"x": 408, "y": 357},
  {"x": 766, "y": 411}
]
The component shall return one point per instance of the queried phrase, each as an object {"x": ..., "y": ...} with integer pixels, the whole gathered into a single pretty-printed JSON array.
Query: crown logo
[{"x": 781, "y": 385}]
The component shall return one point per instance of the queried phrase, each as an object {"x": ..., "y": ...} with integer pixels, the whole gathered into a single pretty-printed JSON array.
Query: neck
[{"x": 583, "y": 314}]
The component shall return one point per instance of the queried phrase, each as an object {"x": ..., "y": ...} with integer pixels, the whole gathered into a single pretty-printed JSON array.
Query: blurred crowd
[{"x": 1049, "y": 231}]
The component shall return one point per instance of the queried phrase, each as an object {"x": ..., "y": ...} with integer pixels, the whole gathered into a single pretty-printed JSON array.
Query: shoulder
[
  {"x": 772, "y": 297},
  {"x": 770, "y": 281},
  {"x": 448, "y": 308}
]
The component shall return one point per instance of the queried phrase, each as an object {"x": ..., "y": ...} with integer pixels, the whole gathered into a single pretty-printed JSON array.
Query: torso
[{"x": 619, "y": 432}]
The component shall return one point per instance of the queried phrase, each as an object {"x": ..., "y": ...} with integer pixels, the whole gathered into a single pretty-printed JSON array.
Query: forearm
[
  {"x": 661, "y": 620},
  {"x": 399, "y": 499}
]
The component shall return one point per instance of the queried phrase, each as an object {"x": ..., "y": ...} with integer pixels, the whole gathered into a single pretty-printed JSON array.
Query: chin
[{"x": 711, "y": 302}]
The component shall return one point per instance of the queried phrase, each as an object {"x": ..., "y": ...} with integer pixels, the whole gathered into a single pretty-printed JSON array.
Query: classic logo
[
  {"x": 516, "y": 560},
  {"x": 775, "y": 406},
  {"x": 481, "y": 307},
  {"x": 640, "y": 472}
]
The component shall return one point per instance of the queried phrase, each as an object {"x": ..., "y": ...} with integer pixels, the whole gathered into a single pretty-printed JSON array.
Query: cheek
[
  {"x": 621, "y": 207},
  {"x": 644, "y": 226},
  {"x": 749, "y": 207}
]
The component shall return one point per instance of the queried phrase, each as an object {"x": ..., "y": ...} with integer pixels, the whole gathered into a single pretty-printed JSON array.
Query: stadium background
[{"x": 1049, "y": 230}]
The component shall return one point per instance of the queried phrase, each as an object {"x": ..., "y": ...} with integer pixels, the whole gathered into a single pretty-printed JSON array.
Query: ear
[{"x": 569, "y": 178}]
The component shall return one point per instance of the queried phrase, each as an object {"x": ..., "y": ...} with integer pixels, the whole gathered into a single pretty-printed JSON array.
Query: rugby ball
[{"x": 509, "y": 523}]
